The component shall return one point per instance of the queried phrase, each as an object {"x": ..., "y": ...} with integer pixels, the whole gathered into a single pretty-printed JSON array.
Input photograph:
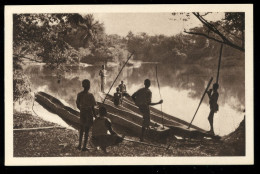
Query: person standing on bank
[
  {"x": 85, "y": 103},
  {"x": 213, "y": 99},
  {"x": 102, "y": 74},
  {"x": 143, "y": 99}
]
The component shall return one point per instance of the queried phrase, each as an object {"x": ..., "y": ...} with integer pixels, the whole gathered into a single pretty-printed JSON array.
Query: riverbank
[{"x": 58, "y": 142}]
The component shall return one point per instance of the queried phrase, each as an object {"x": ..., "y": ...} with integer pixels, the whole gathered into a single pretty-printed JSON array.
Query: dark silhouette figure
[
  {"x": 117, "y": 97},
  {"x": 85, "y": 103},
  {"x": 122, "y": 89},
  {"x": 143, "y": 99},
  {"x": 213, "y": 99},
  {"x": 102, "y": 74},
  {"x": 101, "y": 126}
]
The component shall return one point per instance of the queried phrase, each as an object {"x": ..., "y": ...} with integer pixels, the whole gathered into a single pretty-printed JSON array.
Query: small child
[
  {"x": 101, "y": 126},
  {"x": 117, "y": 97}
]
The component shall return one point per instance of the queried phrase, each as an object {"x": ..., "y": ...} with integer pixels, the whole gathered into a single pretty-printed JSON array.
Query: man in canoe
[
  {"x": 102, "y": 74},
  {"x": 101, "y": 126},
  {"x": 213, "y": 99},
  {"x": 143, "y": 99},
  {"x": 117, "y": 97},
  {"x": 122, "y": 89},
  {"x": 85, "y": 103}
]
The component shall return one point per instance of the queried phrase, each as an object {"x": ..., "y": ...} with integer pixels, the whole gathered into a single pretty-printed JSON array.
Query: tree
[
  {"x": 229, "y": 31},
  {"x": 44, "y": 38}
]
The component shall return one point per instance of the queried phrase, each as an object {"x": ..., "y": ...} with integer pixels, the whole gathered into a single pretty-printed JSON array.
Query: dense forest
[{"x": 69, "y": 39}]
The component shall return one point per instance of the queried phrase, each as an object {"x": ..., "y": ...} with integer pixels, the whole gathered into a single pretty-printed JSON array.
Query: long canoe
[
  {"x": 124, "y": 118},
  {"x": 179, "y": 127}
]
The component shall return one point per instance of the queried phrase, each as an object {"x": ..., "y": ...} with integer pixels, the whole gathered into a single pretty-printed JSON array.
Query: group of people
[
  {"x": 101, "y": 125},
  {"x": 120, "y": 93}
]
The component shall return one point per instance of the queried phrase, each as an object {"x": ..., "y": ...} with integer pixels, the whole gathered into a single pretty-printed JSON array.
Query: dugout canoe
[
  {"x": 178, "y": 127},
  {"x": 129, "y": 120}
]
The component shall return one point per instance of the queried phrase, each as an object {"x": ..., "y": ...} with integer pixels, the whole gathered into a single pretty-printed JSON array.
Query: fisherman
[
  {"x": 102, "y": 74},
  {"x": 213, "y": 99},
  {"x": 85, "y": 103},
  {"x": 101, "y": 126},
  {"x": 143, "y": 99},
  {"x": 122, "y": 88},
  {"x": 117, "y": 97}
]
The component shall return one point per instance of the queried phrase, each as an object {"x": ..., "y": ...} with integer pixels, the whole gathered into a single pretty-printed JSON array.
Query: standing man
[
  {"x": 143, "y": 99},
  {"x": 213, "y": 99},
  {"x": 85, "y": 103},
  {"x": 102, "y": 74}
]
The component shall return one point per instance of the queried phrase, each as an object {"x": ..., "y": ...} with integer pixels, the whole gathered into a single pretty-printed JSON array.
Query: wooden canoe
[
  {"x": 130, "y": 121},
  {"x": 178, "y": 126}
]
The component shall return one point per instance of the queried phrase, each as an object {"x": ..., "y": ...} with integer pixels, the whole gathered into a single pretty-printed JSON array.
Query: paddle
[
  {"x": 201, "y": 100},
  {"x": 159, "y": 93},
  {"x": 147, "y": 144},
  {"x": 117, "y": 77}
]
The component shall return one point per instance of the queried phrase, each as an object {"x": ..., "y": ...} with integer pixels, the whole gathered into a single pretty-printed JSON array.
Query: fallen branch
[
  {"x": 148, "y": 144},
  {"x": 39, "y": 128}
]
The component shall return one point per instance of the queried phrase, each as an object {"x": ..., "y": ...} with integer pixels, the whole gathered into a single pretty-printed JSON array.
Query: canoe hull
[
  {"x": 72, "y": 117},
  {"x": 178, "y": 128}
]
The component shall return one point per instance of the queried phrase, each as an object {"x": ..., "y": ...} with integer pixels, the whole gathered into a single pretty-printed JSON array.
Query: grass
[{"x": 63, "y": 142}]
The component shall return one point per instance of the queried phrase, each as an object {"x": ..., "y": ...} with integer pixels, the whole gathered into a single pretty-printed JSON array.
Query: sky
[{"x": 151, "y": 23}]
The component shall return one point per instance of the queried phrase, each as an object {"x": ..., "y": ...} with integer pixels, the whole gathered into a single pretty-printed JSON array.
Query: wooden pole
[
  {"x": 39, "y": 128},
  {"x": 201, "y": 100},
  {"x": 160, "y": 95},
  {"x": 219, "y": 61},
  {"x": 117, "y": 77}
]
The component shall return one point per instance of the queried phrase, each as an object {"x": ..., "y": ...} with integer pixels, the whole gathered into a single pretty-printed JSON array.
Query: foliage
[
  {"x": 229, "y": 31},
  {"x": 51, "y": 39},
  {"x": 21, "y": 86}
]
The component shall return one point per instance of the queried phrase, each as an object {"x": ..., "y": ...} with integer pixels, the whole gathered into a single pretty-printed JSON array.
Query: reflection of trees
[{"x": 180, "y": 77}]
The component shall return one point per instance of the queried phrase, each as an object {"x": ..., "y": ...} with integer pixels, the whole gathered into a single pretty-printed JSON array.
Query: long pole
[
  {"x": 117, "y": 77},
  {"x": 160, "y": 95},
  {"x": 219, "y": 61},
  {"x": 147, "y": 144},
  {"x": 201, "y": 100}
]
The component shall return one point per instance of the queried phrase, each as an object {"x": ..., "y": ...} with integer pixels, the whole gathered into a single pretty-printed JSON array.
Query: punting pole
[
  {"x": 219, "y": 61},
  {"x": 160, "y": 95},
  {"x": 117, "y": 77},
  {"x": 201, "y": 100},
  {"x": 147, "y": 144}
]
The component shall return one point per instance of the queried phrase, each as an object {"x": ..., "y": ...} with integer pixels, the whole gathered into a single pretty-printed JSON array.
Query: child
[
  {"x": 85, "y": 103},
  {"x": 117, "y": 97},
  {"x": 101, "y": 126}
]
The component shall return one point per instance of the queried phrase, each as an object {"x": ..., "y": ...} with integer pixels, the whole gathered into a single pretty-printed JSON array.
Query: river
[{"x": 181, "y": 86}]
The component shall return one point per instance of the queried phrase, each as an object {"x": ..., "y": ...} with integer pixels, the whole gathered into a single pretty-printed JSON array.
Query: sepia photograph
[{"x": 150, "y": 84}]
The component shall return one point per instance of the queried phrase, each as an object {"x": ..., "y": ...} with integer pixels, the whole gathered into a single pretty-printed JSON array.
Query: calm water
[{"x": 181, "y": 87}]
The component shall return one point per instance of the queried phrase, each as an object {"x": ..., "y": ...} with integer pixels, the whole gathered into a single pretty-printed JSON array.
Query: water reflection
[{"x": 181, "y": 88}]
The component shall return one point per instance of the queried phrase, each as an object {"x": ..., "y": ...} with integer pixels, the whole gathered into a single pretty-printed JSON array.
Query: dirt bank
[{"x": 63, "y": 142}]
